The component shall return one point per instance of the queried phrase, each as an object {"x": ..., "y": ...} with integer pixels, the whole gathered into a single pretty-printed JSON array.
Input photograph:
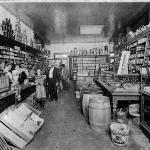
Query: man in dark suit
[
  {"x": 52, "y": 78},
  {"x": 64, "y": 76}
]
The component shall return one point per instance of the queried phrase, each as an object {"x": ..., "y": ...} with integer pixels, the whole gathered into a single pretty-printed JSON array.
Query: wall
[{"x": 67, "y": 47}]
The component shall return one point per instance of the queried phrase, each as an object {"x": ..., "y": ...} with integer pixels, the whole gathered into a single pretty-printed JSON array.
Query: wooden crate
[{"x": 12, "y": 137}]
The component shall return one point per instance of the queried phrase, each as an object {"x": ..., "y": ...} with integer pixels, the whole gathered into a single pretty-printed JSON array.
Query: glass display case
[
  {"x": 145, "y": 78},
  {"x": 145, "y": 113},
  {"x": 146, "y": 110},
  {"x": 145, "y": 100},
  {"x": 121, "y": 83}
]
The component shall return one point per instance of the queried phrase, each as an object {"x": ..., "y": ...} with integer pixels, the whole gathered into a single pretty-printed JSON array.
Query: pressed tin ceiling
[{"x": 52, "y": 19}]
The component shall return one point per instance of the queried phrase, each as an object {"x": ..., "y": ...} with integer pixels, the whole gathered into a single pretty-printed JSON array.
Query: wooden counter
[
  {"x": 117, "y": 96},
  {"x": 8, "y": 98}
]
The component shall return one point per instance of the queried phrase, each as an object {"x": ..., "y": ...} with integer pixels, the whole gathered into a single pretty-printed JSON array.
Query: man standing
[
  {"x": 52, "y": 78},
  {"x": 65, "y": 75}
]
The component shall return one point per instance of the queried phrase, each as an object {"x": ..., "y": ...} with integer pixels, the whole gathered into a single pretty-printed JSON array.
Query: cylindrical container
[
  {"x": 119, "y": 133},
  {"x": 134, "y": 109},
  {"x": 85, "y": 103},
  {"x": 100, "y": 114},
  {"x": 121, "y": 115}
]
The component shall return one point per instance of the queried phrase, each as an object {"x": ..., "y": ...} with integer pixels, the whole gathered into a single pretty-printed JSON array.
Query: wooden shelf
[
  {"x": 11, "y": 42},
  {"x": 137, "y": 37},
  {"x": 87, "y": 56},
  {"x": 134, "y": 39}
]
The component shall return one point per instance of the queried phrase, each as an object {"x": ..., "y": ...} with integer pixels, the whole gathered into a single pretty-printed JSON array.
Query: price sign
[{"x": 60, "y": 56}]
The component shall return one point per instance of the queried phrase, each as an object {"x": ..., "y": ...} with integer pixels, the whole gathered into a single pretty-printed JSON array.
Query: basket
[{"x": 119, "y": 133}]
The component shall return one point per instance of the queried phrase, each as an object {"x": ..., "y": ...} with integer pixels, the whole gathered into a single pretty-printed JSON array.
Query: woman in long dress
[
  {"x": 7, "y": 72},
  {"x": 40, "y": 89},
  {"x": 15, "y": 74}
]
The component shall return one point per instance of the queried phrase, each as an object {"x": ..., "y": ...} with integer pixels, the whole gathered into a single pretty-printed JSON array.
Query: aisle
[{"x": 66, "y": 129}]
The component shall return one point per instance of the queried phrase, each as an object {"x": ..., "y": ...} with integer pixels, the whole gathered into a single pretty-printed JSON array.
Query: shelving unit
[
  {"x": 11, "y": 43},
  {"x": 11, "y": 49},
  {"x": 139, "y": 61},
  {"x": 84, "y": 68},
  {"x": 88, "y": 64},
  {"x": 139, "y": 47}
]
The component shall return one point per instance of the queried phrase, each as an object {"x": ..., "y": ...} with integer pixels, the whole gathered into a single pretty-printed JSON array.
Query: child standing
[{"x": 40, "y": 89}]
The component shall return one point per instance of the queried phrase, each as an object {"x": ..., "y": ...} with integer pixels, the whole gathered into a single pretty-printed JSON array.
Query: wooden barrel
[
  {"x": 85, "y": 103},
  {"x": 99, "y": 113}
]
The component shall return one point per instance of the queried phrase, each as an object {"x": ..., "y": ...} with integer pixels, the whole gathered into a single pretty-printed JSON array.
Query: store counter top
[
  {"x": 6, "y": 94},
  {"x": 8, "y": 98},
  {"x": 117, "y": 96}
]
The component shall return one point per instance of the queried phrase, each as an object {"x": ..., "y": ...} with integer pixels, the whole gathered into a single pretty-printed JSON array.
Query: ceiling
[{"x": 58, "y": 19}]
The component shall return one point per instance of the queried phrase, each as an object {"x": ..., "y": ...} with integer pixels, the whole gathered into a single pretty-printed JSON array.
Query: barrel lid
[{"x": 101, "y": 98}]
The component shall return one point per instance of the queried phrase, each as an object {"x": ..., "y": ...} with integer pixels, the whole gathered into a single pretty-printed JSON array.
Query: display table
[
  {"x": 117, "y": 96},
  {"x": 8, "y": 98}
]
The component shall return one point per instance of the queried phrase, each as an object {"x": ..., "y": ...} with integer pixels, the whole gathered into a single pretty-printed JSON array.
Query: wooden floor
[{"x": 66, "y": 129}]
